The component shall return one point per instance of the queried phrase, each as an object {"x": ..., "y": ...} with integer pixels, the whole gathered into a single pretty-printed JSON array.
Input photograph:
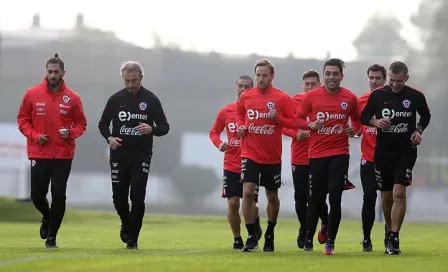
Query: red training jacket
[{"x": 42, "y": 112}]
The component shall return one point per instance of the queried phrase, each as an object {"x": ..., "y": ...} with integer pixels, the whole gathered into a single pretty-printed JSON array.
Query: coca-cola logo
[
  {"x": 234, "y": 142},
  {"x": 264, "y": 129},
  {"x": 336, "y": 129},
  {"x": 132, "y": 131},
  {"x": 398, "y": 128},
  {"x": 370, "y": 130}
]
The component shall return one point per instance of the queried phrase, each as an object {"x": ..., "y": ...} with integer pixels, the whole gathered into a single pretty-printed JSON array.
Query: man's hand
[
  {"x": 114, "y": 142},
  {"x": 144, "y": 128},
  {"x": 272, "y": 114},
  {"x": 302, "y": 134},
  {"x": 241, "y": 131},
  {"x": 381, "y": 123},
  {"x": 42, "y": 139},
  {"x": 416, "y": 137},
  {"x": 223, "y": 147},
  {"x": 64, "y": 133},
  {"x": 350, "y": 132},
  {"x": 316, "y": 125}
]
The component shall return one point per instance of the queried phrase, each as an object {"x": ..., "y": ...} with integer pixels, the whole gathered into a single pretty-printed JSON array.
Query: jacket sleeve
[
  {"x": 286, "y": 116},
  {"x": 218, "y": 127},
  {"x": 79, "y": 124},
  {"x": 24, "y": 118},
  {"x": 106, "y": 117},
  {"x": 368, "y": 111},
  {"x": 241, "y": 112},
  {"x": 161, "y": 126},
  {"x": 303, "y": 111},
  {"x": 423, "y": 111}
]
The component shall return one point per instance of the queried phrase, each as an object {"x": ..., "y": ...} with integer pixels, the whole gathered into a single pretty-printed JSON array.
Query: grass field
[{"x": 89, "y": 241}]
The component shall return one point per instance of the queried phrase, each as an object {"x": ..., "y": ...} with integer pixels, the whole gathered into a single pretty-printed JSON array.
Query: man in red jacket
[{"x": 51, "y": 117}]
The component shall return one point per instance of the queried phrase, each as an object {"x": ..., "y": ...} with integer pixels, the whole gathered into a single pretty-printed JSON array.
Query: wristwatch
[
  {"x": 419, "y": 129},
  {"x": 108, "y": 139}
]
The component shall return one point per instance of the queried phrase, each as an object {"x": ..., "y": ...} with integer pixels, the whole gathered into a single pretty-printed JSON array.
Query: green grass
[{"x": 89, "y": 241}]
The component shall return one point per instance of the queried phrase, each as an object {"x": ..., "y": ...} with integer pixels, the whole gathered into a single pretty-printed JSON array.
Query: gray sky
[{"x": 274, "y": 28}]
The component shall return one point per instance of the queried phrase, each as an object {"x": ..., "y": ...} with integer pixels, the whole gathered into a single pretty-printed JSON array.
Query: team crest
[
  {"x": 406, "y": 103},
  {"x": 344, "y": 105},
  {"x": 66, "y": 98},
  {"x": 142, "y": 106},
  {"x": 270, "y": 105}
]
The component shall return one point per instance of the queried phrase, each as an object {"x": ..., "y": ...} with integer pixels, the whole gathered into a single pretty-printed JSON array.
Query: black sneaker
[
  {"x": 44, "y": 229},
  {"x": 386, "y": 245},
  {"x": 268, "y": 243},
  {"x": 131, "y": 245},
  {"x": 51, "y": 242},
  {"x": 301, "y": 240},
  {"x": 394, "y": 246},
  {"x": 258, "y": 231},
  {"x": 367, "y": 246},
  {"x": 308, "y": 246},
  {"x": 238, "y": 243},
  {"x": 251, "y": 244},
  {"x": 124, "y": 234}
]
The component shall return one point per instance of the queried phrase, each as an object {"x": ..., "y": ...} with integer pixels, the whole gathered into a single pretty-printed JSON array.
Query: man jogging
[
  {"x": 376, "y": 78},
  {"x": 393, "y": 109},
  {"x": 328, "y": 108},
  {"x": 136, "y": 115},
  {"x": 232, "y": 186},
  {"x": 51, "y": 117}
]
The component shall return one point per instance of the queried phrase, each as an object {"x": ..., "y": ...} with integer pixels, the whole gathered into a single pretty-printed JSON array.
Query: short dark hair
[
  {"x": 397, "y": 67},
  {"x": 335, "y": 62},
  {"x": 56, "y": 60},
  {"x": 311, "y": 73},
  {"x": 377, "y": 68},
  {"x": 265, "y": 62},
  {"x": 244, "y": 77}
]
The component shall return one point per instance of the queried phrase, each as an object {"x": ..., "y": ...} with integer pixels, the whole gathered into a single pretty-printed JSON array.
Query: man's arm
[
  {"x": 290, "y": 132},
  {"x": 286, "y": 116},
  {"x": 106, "y": 117},
  {"x": 241, "y": 112},
  {"x": 354, "y": 116},
  {"x": 24, "y": 119},
  {"x": 79, "y": 124},
  {"x": 424, "y": 112},
  {"x": 217, "y": 129},
  {"x": 303, "y": 112},
  {"x": 369, "y": 111},
  {"x": 161, "y": 126}
]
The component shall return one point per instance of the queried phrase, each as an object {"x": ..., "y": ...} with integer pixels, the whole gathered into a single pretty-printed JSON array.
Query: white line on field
[{"x": 164, "y": 253}]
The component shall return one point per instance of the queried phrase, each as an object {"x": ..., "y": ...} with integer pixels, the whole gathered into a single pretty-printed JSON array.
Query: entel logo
[
  {"x": 325, "y": 116},
  {"x": 127, "y": 116},
  {"x": 387, "y": 113},
  {"x": 231, "y": 127},
  {"x": 255, "y": 114}
]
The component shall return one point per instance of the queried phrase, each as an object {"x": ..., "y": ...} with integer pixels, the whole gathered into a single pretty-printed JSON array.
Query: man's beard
[{"x": 54, "y": 83}]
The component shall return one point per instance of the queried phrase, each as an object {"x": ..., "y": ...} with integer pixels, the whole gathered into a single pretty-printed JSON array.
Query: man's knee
[
  {"x": 335, "y": 198},
  {"x": 388, "y": 198},
  {"x": 272, "y": 197},
  {"x": 233, "y": 204},
  {"x": 399, "y": 192},
  {"x": 249, "y": 190}
]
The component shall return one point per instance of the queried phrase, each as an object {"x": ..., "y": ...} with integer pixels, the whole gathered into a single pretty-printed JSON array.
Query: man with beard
[
  {"x": 51, "y": 117},
  {"x": 232, "y": 188},
  {"x": 137, "y": 116},
  {"x": 328, "y": 108}
]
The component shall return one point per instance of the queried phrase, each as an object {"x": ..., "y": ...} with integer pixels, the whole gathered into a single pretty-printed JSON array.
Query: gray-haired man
[{"x": 137, "y": 115}]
